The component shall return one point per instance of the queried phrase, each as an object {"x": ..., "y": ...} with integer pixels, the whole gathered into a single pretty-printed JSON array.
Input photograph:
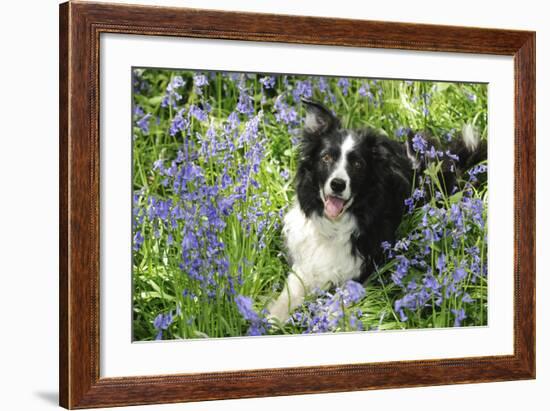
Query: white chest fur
[
  {"x": 321, "y": 249},
  {"x": 321, "y": 252}
]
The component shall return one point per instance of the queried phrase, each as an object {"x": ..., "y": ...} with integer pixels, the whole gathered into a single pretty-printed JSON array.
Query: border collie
[{"x": 351, "y": 186}]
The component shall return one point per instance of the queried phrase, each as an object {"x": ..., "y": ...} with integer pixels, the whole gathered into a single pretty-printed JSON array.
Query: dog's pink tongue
[{"x": 333, "y": 206}]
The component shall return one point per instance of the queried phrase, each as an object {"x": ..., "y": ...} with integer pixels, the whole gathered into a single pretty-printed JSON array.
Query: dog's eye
[
  {"x": 357, "y": 164},
  {"x": 327, "y": 158}
]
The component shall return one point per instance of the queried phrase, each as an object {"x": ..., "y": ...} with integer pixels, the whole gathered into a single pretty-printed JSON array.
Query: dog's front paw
[{"x": 277, "y": 313}]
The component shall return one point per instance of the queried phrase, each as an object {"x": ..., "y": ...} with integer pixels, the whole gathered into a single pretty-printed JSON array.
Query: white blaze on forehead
[{"x": 340, "y": 168}]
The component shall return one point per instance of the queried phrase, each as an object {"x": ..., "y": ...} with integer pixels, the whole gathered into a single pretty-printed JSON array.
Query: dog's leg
[{"x": 290, "y": 298}]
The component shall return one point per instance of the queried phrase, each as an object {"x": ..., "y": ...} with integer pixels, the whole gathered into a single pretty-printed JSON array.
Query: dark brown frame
[{"x": 80, "y": 27}]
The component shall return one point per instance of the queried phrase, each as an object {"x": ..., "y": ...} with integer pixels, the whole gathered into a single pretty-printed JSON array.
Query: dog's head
[{"x": 332, "y": 163}]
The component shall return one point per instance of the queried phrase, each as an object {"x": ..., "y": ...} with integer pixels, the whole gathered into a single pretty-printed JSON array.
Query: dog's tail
[
  {"x": 469, "y": 148},
  {"x": 463, "y": 152}
]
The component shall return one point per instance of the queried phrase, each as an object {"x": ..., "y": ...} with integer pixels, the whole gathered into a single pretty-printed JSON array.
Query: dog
[{"x": 351, "y": 187}]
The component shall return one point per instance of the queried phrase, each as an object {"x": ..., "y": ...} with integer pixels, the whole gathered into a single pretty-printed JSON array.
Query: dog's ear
[{"x": 318, "y": 119}]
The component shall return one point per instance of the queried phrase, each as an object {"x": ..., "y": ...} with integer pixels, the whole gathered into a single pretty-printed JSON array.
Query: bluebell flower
[
  {"x": 418, "y": 194},
  {"x": 460, "y": 315},
  {"x": 430, "y": 282},
  {"x": 402, "y": 132},
  {"x": 138, "y": 111},
  {"x": 258, "y": 324},
  {"x": 328, "y": 312},
  {"x": 143, "y": 123},
  {"x": 433, "y": 153},
  {"x": 402, "y": 244},
  {"x": 232, "y": 122},
  {"x": 441, "y": 263},
  {"x": 352, "y": 292},
  {"x": 172, "y": 96},
  {"x": 189, "y": 241},
  {"x": 385, "y": 245},
  {"x": 162, "y": 322},
  {"x": 466, "y": 298},
  {"x": 285, "y": 113},
  {"x": 474, "y": 171},
  {"x": 402, "y": 316},
  {"x": 449, "y": 135},
  {"x": 459, "y": 274},
  {"x": 302, "y": 89},
  {"x": 343, "y": 83},
  {"x": 355, "y": 323},
  {"x": 409, "y": 202},
  {"x": 138, "y": 240},
  {"x": 245, "y": 104},
  {"x": 456, "y": 215},
  {"x": 226, "y": 205},
  {"x": 198, "y": 113},
  {"x": 199, "y": 81},
  {"x": 268, "y": 82},
  {"x": 419, "y": 144},
  {"x": 471, "y": 96},
  {"x": 401, "y": 270},
  {"x": 451, "y": 155},
  {"x": 322, "y": 84},
  {"x": 179, "y": 123},
  {"x": 244, "y": 305}
]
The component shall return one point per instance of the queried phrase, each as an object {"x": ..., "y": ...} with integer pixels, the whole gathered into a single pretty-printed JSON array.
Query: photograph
[{"x": 269, "y": 204}]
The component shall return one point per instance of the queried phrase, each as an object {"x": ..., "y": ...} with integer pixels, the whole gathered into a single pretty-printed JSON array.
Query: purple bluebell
[
  {"x": 459, "y": 274},
  {"x": 143, "y": 123},
  {"x": 245, "y": 104},
  {"x": 471, "y": 96},
  {"x": 199, "y": 81},
  {"x": 466, "y": 298},
  {"x": 460, "y": 316},
  {"x": 284, "y": 113},
  {"x": 409, "y": 202},
  {"x": 419, "y": 144},
  {"x": 441, "y": 263},
  {"x": 402, "y": 132},
  {"x": 198, "y": 113},
  {"x": 244, "y": 305},
  {"x": 268, "y": 82},
  {"x": 452, "y": 156},
  {"x": 343, "y": 83},
  {"x": 162, "y": 322},
  {"x": 474, "y": 171},
  {"x": 179, "y": 123},
  {"x": 352, "y": 292},
  {"x": 401, "y": 270},
  {"x": 302, "y": 89},
  {"x": 418, "y": 194},
  {"x": 258, "y": 324},
  {"x": 172, "y": 96},
  {"x": 138, "y": 240},
  {"x": 364, "y": 89}
]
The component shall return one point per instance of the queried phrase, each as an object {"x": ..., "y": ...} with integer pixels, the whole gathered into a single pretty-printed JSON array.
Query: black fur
[
  {"x": 380, "y": 181},
  {"x": 380, "y": 174}
]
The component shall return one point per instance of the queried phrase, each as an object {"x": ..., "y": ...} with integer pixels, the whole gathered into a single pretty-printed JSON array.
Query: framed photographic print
[{"x": 257, "y": 205}]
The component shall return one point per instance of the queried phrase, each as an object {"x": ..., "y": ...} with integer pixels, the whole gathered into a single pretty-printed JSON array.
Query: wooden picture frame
[{"x": 80, "y": 27}]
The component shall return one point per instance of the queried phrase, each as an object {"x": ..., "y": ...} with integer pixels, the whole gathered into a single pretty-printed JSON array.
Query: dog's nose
[{"x": 338, "y": 185}]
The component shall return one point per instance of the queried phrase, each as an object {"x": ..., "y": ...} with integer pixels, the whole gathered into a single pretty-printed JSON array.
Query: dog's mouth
[{"x": 335, "y": 206}]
